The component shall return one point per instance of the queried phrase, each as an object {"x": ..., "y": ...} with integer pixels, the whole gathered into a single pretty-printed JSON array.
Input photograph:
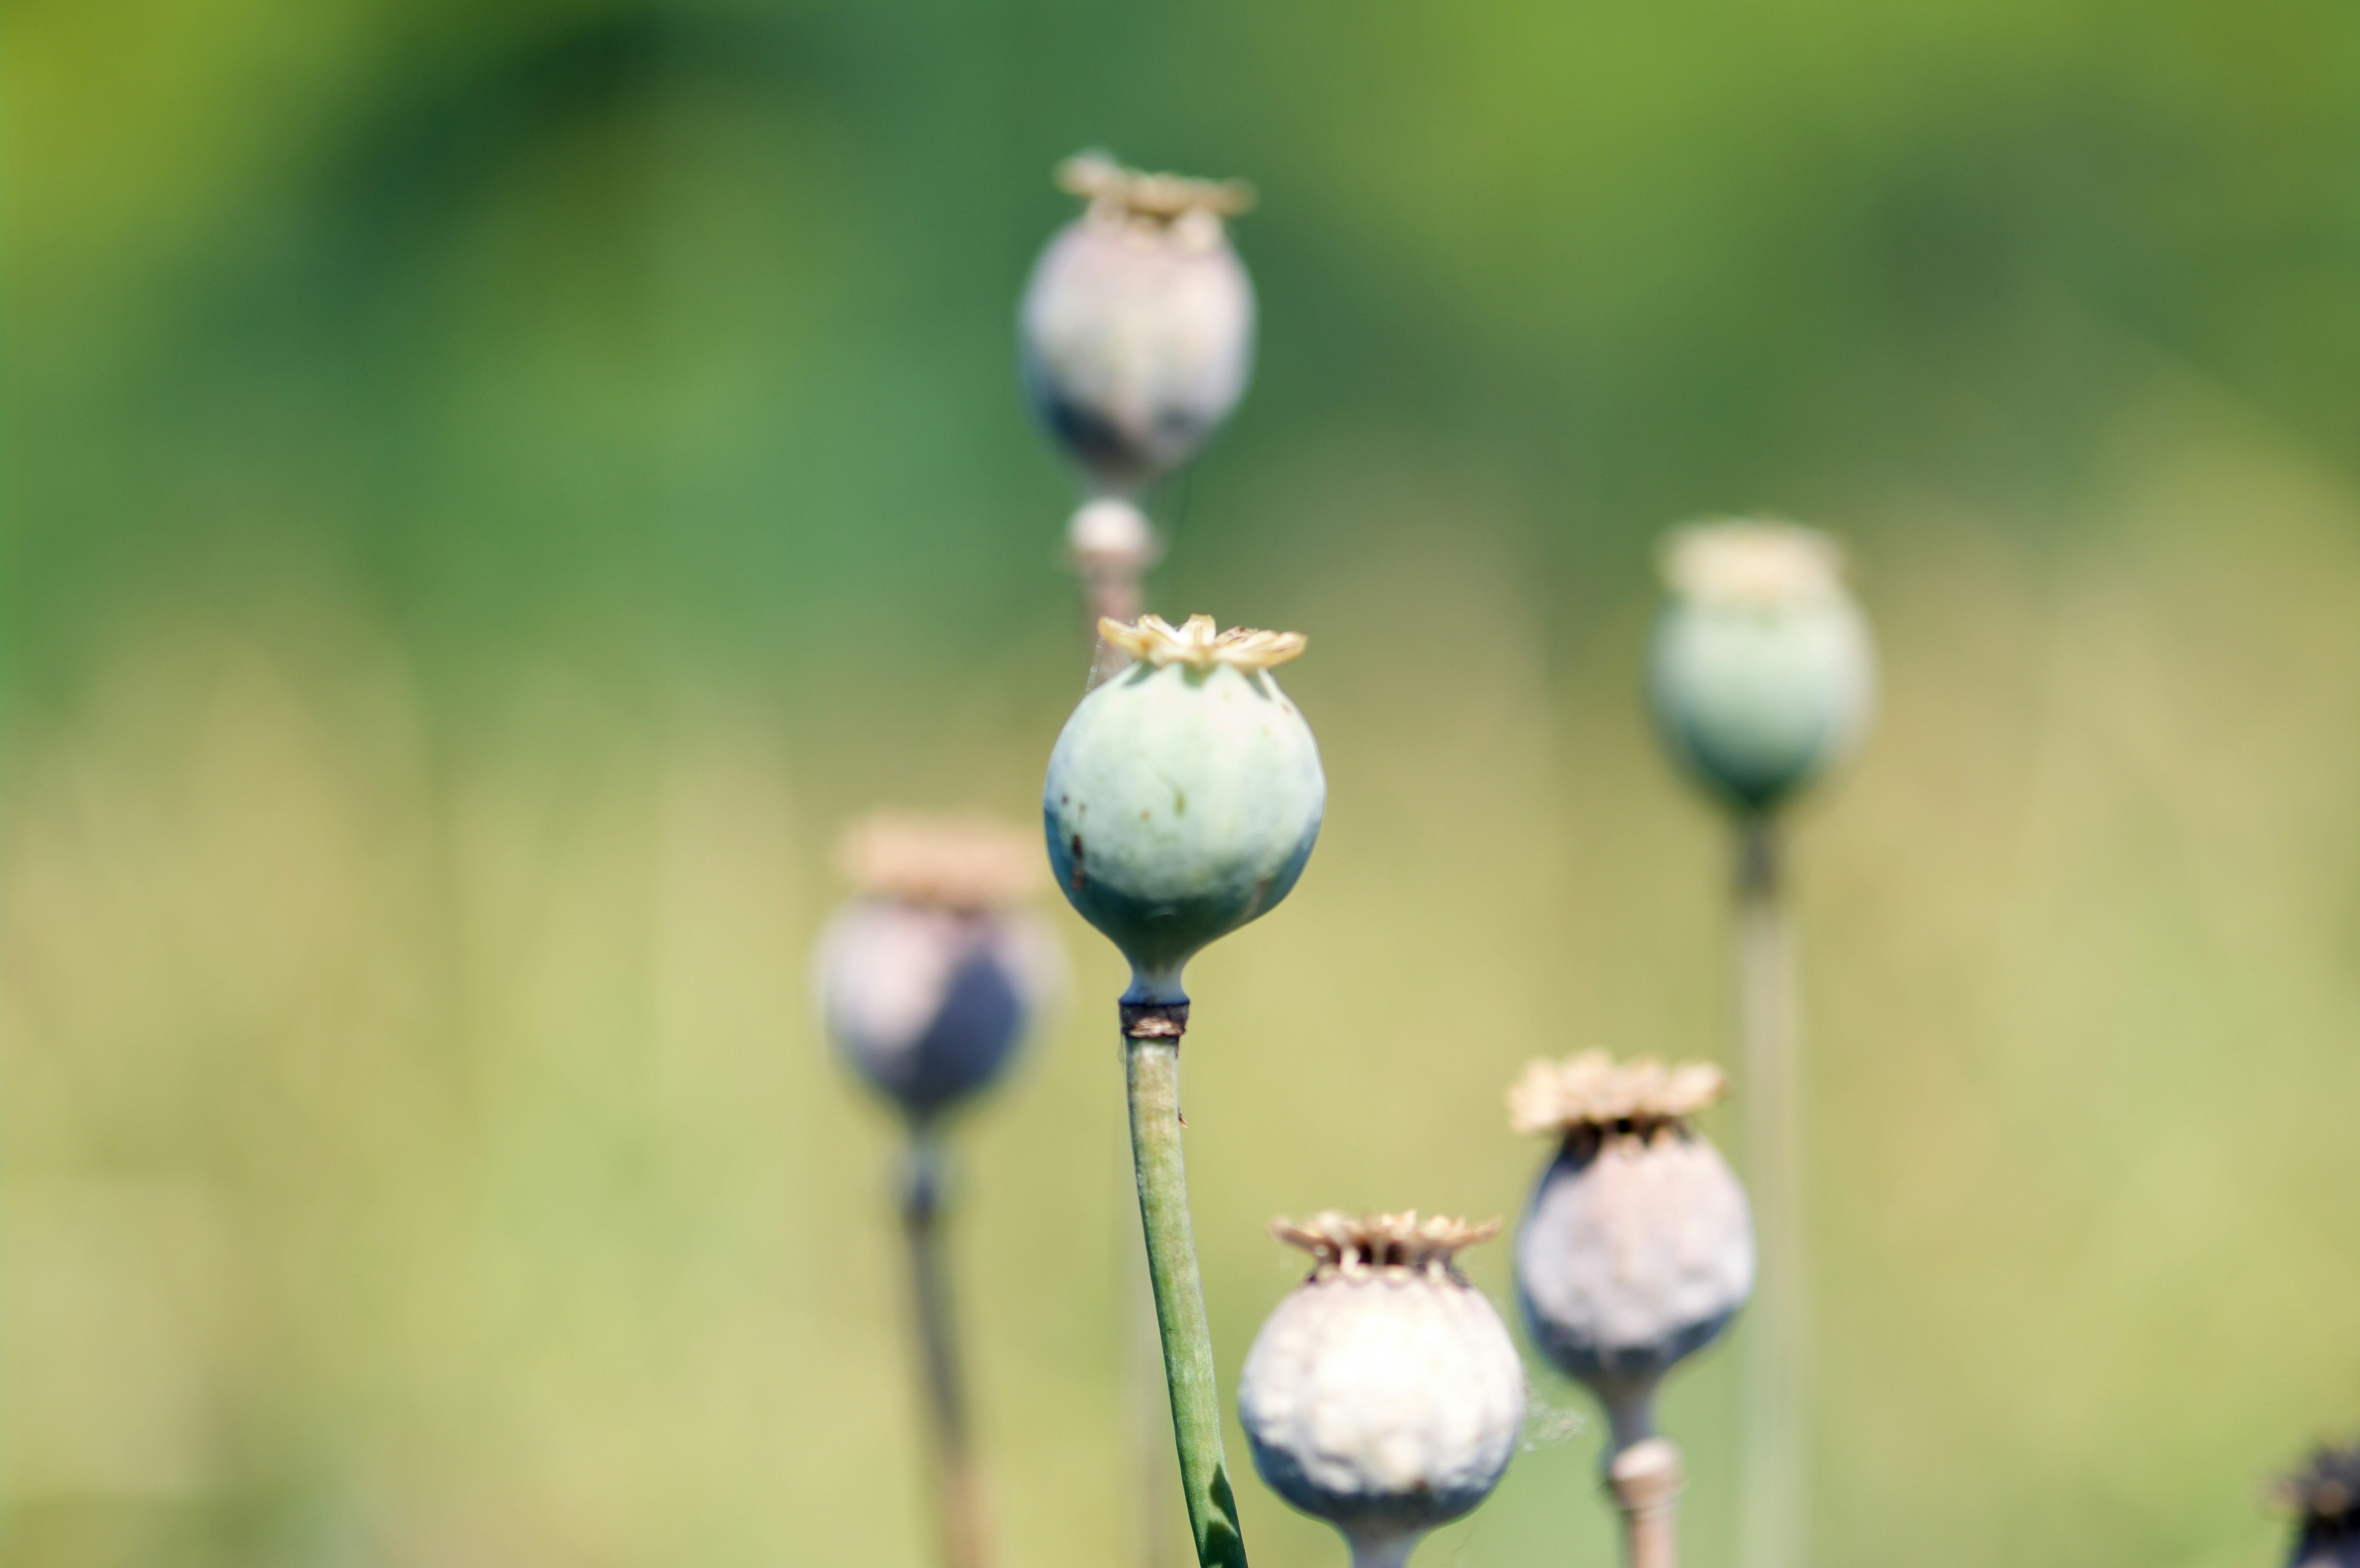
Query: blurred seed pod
[
  {"x": 1136, "y": 333},
  {"x": 931, "y": 976},
  {"x": 1383, "y": 1394},
  {"x": 1637, "y": 1248},
  {"x": 1111, "y": 535},
  {"x": 1762, "y": 674},
  {"x": 1184, "y": 795},
  {"x": 2325, "y": 1499}
]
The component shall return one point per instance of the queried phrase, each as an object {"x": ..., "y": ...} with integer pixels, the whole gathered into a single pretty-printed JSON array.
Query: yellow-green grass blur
[{"x": 490, "y": 492}]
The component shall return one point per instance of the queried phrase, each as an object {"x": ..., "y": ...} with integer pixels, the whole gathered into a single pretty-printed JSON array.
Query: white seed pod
[
  {"x": 931, "y": 976},
  {"x": 1383, "y": 1394},
  {"x": 1637, "y": 1248},
  {"x": 1762, "y": 674},
  {"x": 1136, "y": 333}
]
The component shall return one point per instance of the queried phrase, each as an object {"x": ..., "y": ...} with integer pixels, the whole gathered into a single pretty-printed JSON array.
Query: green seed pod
[
  {"x": 1762, "y": 674},
  {"x": 1637, "y": 1248},
  {"x": 2325, "y": 1499},
  {"x": 1184, "y": 795},
  {"x": 1136, "y": 333},
  {"x": 1383, "y": 1394},
  {"x": 930, "y": 978}
]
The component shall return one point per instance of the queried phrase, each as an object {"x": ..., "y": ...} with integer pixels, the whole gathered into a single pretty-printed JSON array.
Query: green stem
[
  {"x": 1111, "y": 589},
  {"x": 959, "y": 1503},
  {"x": 1772, "y": 1514},
  {"x": 1151, "y": 1055},
  {"x": 1154, "y": 1472}
]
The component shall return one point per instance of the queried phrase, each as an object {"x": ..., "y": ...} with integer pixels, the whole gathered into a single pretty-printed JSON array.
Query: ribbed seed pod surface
[
  {"x": 1184, "y": 795},
  {"x": 1637, "y": 1247},
  {"x": 1383, "y": 1393}
]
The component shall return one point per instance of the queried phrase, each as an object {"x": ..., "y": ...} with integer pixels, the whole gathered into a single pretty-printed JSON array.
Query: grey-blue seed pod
[
  {"x": 2324, "y": 1498},
  {"x": 1136, "y": 333},
  {"x": 1761, "y": 674},
  {"x": 1383, "y": 1394},
  {"x": 1637, "y": 1247},
  {"x": 1184, "y": 796},
  {"x": 930, "y": 978}
]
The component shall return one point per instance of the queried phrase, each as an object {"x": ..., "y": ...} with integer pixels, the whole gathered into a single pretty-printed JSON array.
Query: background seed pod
[
  {"x": 1761, "y": 674},
  {"x": 1136, "y": 341},
  {"x": 1635, "y": 1253},
  {"x": 2324, "y": 1498},
  {"x": 929, "y": 1004}
]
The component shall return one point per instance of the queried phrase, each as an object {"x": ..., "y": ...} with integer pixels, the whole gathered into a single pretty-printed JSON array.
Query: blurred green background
[{"x": 488, "y": 488}]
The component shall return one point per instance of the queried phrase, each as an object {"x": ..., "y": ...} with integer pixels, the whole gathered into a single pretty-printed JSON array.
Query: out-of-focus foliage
[{"x": 487, "y": 490}]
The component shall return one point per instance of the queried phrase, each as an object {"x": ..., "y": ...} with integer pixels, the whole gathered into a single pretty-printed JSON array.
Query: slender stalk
[
  {"x": 1384, "y": 1550},
  {"x": 1112, "y": 570},
  {"x": 959, "y": 1503},
  {"x": 1630, "y": 1416},
  {"x": 1645, "y": 1480},
  {"x": 1109, "y": 589},
  {"x": 1772, "y": 1516},
  {"x": 1151, "y": 1059},
  {"x": 1157, "y": 1517},
  {"x": 1111, "y": 544}
]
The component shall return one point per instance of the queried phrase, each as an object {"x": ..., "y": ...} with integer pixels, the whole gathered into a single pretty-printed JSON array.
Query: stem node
[{"x": 1154, "y": 1021}]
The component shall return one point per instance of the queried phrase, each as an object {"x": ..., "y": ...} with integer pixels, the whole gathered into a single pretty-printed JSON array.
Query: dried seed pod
[
  {"x": 1383, "y": 1394},
  {"x": 1762, "y": 674},
  {"x": 2324, "y": 1498},
  {"x": 1136, "y": 333},
  {"x": 1637, "y": 1248},
  {"x": 1184, "y": 796},
  {"x": 930, "y": 977}
]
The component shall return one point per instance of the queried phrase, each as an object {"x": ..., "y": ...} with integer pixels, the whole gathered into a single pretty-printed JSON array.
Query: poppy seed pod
[
  {"x": 2325, "y": 1499},
  {"x": 1637, "y": 1248},
  {"x": 1383, "y": 1394},
  {"x": 930, "y": 977},
  {"x": 1136, "y": 333},
  {"x": 1762, "y": 674},
  {"x": 1184, "y": 796}
]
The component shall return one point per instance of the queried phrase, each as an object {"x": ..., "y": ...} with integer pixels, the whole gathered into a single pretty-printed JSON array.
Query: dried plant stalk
[
  {"x": 958, "y": 1502},
  {"x": 1774, "y": 1477}
]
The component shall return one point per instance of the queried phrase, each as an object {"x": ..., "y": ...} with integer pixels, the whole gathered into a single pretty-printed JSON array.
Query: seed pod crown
[
  {"x": 1198, "y": 644},
  {"x": 1591, "y": 1091},
  {"x": 1756, "y": 563},
  {"x": 1392, "y": 1246},
  {"x": 1140, "y": 200},
  {"x": 966, "y": 863}
]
